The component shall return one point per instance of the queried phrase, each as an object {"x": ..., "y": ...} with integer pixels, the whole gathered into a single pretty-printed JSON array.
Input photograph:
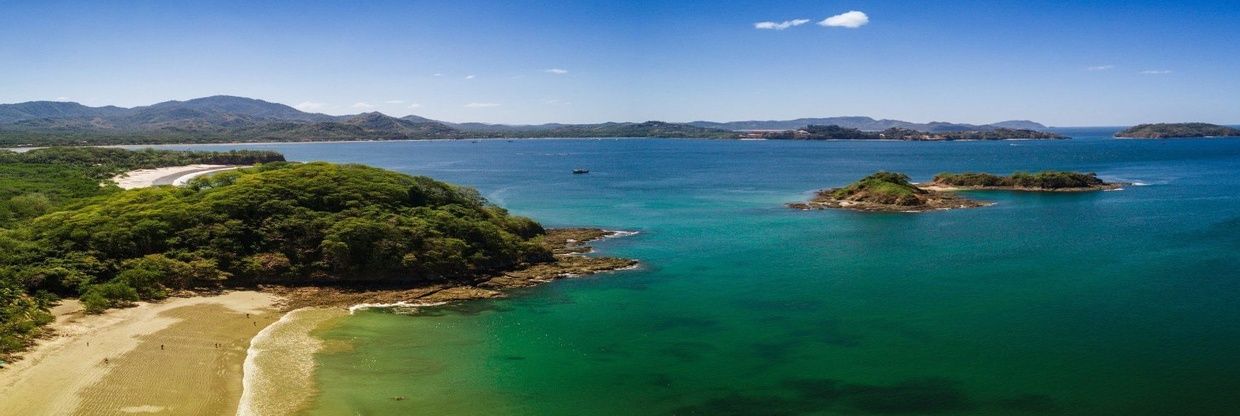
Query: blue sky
[{"x": 1096, "y": 63}]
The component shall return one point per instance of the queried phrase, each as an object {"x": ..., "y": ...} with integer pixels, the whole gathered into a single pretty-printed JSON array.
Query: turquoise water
[{"x": 1083, "y": 304}]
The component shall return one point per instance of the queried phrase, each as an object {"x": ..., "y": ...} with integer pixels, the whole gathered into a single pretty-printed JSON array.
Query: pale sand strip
[
  {"x": 143, "y": 178},
  {"x": 184, "y": 179},
  {"x": 189, "y": 375}
]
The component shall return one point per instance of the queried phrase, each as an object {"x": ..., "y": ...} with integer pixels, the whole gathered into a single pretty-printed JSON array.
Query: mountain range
[{"x": 229, "y": 118}]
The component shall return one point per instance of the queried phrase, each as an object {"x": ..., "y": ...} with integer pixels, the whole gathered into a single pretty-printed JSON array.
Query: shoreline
[
  {"x": 568, "y": 246},
  {"x": 237, "y": 351},
  {"x": 173, "y": 175},
  {"x": 282, "y": 354},
  {"x": 278, "y": 372}
]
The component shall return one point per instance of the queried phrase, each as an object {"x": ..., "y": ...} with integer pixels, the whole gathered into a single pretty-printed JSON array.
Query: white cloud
[
  {"x": 437, "y": 74},
  {"x": 363, "y": 104},
  {"x": 555, "y": 101},
  {"x": 62, "y": 98},
  {"x": 852, "y": 20},
  {"x": 1156, "y": 72},
  {"x": 415, "y": 105},
  {"x": 1099, "y": 68},
  {"x": 481, "y": 105},
  {"x": 309, "y": 106},
  {"x": 556, "y": 71},
  {"x": 471, "y": 76},
  {"x": 780, "y": 25},
  {"x": 394, "y": 102}
]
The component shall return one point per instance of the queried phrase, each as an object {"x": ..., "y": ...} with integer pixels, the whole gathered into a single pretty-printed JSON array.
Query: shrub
[{"x": 99, "y": 298}]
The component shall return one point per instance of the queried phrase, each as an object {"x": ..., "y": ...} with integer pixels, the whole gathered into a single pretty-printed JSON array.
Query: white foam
[
  {"x": 277, "y": 386},
  {"x": 250, "y": 370},
  {"x": 620, "y": 233},
  {"x": 401, "y": 304}
]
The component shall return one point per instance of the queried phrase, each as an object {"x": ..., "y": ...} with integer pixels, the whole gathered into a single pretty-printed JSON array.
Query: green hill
[
  {"x": 281, "y": 223},
  {"x": 885, "y": 192}
]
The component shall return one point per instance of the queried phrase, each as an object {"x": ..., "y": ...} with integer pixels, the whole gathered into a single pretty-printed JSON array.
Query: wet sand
[{"x": 180, "y": 356}]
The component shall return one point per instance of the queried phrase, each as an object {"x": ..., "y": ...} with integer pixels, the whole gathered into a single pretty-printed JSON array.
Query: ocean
[{"x": 1104, "y": 303}]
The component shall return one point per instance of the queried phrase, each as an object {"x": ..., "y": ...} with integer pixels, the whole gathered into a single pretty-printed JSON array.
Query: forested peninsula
[{"x": 351, "y": 228}]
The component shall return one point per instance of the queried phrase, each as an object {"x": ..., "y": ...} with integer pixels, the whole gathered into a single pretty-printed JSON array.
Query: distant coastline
[
  {"x": 1177, "y": 130},
  {"x": 230, "y": 119}
]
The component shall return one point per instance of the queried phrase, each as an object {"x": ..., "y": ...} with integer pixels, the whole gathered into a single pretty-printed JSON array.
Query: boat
[{"x": 580, "y": 171}]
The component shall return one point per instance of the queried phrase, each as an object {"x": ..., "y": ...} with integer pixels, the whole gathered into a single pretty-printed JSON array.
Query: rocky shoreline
[
  {"x": 568, "y": 245},
  {"x": 930, "y": 201}
]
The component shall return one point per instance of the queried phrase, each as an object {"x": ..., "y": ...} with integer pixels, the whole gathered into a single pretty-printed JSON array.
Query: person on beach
[{"x": 161, "y": 347}]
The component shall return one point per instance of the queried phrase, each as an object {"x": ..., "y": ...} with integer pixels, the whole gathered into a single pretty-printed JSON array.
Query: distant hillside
[
  {"x": 10, "y": 113},
  {"x": 866, "y": 124},
  {"x": 1019, "y": 125},
  {"x": 224, "y": 118},
  {"x": 227, "y": 119},
  {"x": 1170, "y": 130}
]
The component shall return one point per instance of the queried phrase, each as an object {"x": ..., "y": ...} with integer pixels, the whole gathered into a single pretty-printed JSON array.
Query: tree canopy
[{"x": 291, "y": 224}]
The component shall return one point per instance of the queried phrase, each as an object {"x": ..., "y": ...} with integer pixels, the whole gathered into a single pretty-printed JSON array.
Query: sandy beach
[
  {"x": 179, "y": 356},
  {"x": 175, "y": 175}
]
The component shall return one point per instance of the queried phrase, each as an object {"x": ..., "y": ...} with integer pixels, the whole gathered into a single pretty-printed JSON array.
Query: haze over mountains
[{"x": 247, "y": 119}]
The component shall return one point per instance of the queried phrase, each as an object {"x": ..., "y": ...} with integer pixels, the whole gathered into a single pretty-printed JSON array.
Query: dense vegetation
[
  {"x": 889, "y": 188},
  {"x": 1165, "y": 130},
  {"x": 291, "y": 224},
  {"x": 45, "y": 180},
  {"x": 1050, "y": 180},
  {"x": 833, "y": 132},
  {"x": 37, "y": 181}
]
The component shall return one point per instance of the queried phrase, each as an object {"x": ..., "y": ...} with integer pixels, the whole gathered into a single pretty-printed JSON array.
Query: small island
[
  {"x": 885, "y": 192},
  {"x": 892, "y": 191},
  {"x": 1174, "y": 130},
  {"x": 1048, "y": 181}
]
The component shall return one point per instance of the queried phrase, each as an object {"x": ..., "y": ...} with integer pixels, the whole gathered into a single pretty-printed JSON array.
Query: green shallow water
[{"x": 1082, "y": 304}]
